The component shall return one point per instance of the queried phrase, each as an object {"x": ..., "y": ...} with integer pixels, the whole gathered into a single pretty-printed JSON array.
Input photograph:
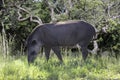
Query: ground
[{"x": 73, "y": 68}]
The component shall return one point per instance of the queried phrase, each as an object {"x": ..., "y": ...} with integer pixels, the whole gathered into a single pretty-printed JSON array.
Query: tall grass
[{"x": 73, "y": 68}]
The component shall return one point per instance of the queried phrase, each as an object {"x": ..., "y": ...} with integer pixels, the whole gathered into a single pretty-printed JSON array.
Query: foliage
[
  {"x": 20, "y": 30},
  {"x": 72, "y": 68},
  {"x": 99, "y": 13},
  {"x": 115, "y": 30},
  {"x": 111, "y": 40}
]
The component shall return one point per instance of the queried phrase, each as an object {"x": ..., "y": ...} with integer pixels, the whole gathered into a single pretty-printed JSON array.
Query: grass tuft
[{"x": 73, "y": 68}]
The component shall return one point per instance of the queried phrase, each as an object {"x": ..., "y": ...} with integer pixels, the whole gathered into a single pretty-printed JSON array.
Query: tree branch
[
  {"x": 33, "y": 18},
  {"x": 114, "y": 17},
  {"x": 51, "y": 6},
  {"x": 39, "y": 21},
  {"x": 109, "y": 7},
  {"x": 20, "y": 16}
]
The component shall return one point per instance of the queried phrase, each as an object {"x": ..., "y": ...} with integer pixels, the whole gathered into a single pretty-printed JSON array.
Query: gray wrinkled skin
[{"x": 53, "y": 35}]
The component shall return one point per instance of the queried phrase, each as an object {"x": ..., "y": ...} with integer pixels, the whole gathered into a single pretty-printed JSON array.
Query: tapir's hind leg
[
  {"x": 57, "y": 52},
  {"x": 84, "y": 49},
  {"x": 84, "y": 52}
]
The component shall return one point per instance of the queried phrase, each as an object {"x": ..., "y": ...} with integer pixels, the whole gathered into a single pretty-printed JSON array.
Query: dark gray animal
[{"x": 53, "y": 35}]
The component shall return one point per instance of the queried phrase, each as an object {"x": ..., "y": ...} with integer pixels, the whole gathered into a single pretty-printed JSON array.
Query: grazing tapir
[{"x": 53, "y": 35}]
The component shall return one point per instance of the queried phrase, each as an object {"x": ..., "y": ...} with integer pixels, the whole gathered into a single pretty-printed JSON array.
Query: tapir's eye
[{"x": 33, "y": 42}]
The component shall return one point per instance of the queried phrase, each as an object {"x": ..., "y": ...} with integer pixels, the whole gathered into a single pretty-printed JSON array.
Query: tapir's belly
[
  {"x": 63, "y": 40},
  {"x": 67, "y": 41}
]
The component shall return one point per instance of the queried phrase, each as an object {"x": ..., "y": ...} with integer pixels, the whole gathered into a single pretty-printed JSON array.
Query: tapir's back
[{"x": 69, "y": 33}]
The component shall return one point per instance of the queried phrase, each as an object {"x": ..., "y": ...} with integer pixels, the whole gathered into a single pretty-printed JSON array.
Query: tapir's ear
[{"x": 33, "y": 42}]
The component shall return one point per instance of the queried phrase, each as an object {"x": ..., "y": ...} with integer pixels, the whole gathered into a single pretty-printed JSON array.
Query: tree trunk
[{"x": 4, "y": 42}]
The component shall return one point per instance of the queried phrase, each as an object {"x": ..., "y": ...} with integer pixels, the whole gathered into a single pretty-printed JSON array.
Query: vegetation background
[{"x": 19, "y": 18}]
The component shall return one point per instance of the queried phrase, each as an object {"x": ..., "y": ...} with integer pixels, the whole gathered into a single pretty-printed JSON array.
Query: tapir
[{"x": 52, "y": 36}]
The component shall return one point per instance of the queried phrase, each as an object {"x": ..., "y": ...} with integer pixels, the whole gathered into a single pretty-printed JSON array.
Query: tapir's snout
[{"x": 31, "y": 57}]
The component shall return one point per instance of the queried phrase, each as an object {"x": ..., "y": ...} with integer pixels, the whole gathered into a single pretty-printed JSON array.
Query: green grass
[{"x": 73, "y": 68}]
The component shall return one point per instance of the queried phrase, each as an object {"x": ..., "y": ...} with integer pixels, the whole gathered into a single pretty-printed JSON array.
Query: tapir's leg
[
  {"x": 84, "y": 50},
  {"x": 57, "y": 52},
  {"x": 47, "y": 52}
]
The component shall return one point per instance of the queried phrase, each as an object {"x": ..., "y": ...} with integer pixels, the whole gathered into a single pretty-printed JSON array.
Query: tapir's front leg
[
  {"x": 47, "y": 52},
  {"x": 84, "y": 50}
]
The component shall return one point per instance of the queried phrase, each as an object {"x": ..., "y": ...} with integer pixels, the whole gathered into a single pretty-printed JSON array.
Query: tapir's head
[
  {"x": 31, "y": 51},
  {"x": 33, "y": 44},
  {"x": 33, "y": 47}
]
